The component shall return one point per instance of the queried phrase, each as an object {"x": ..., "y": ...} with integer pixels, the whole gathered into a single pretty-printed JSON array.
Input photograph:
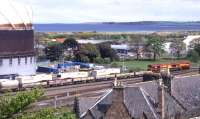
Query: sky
[{"x": 81, "y": 11}]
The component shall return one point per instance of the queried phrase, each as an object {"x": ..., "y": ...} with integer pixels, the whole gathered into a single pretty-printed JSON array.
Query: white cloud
[{"x": 69, "y": 11}]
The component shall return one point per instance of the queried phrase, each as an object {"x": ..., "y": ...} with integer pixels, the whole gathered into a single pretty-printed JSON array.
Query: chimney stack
[
  {"x": 161, "y": 99},
  {"x": 118, "y": 91},
  {"x": 166, "y": 77}
]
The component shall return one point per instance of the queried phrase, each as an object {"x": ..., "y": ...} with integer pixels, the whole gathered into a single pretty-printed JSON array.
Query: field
[{"x": 142, "y": 65}]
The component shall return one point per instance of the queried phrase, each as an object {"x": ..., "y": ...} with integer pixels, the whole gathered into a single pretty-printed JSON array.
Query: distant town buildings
[
  {"x": 131, "y": 50},
  {"x": 189, "y": 39}
]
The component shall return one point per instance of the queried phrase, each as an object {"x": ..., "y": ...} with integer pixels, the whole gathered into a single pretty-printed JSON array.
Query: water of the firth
[{"x": 119, "y": 27}]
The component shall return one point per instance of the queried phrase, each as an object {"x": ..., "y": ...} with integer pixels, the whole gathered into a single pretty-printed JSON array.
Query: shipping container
[
  {"x": 105, "y": 72},
  {"x": 47, "y": 70},
  {"x": 66, "y": 75}
]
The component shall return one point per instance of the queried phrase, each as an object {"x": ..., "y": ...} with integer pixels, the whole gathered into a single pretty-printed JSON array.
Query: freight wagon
[
  {"x": 179, "y": 65},
  {"x": 48, "y": 80},
  {"x": 67, "y": 75},
  {"x": 104, "y": 72}
]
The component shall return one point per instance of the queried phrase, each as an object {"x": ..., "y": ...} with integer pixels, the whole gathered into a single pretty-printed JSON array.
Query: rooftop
[{"x": 142, "y": 100}]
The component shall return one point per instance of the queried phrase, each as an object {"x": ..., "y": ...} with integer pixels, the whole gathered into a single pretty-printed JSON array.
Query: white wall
[
  {"x": 189, "y": 39},
  {"x": 15, "y": 68}
]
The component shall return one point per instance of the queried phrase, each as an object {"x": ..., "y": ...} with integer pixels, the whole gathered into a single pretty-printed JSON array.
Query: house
[
  {"x": 132, "y": 50},
  {"x": 189, "y": 39},
  {"x": 86, "y": 41},
  {"x": 121, "y": 48},
  {"x": 148, "y": 100}
]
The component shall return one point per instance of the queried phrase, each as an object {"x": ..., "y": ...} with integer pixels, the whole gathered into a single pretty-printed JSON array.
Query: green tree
[
  {"x": 81, "y": 57},
  {"x": 115, "y": 65},
  {"x": 197, "y": 48},
  {"x": 10, "y": 105},
  {"x": 70, "y": 43},
  {"x": 57, "y": 35},
  {"x": 116, "y": 37},
  {"x": 155, "y": 45},
  {"x": 54, "y": 52},
  {"x": 99, "y": 60},
  {"x": 107, "y": 60},
  {"x": 194, "y": 43},
  {"x": 137, "y": 42},
  {"x": 107, "y": 52},
  {"x": 177, "y": 46},
  {"x": 90, "y": 51},
  {"x": 193, "y": 56}
]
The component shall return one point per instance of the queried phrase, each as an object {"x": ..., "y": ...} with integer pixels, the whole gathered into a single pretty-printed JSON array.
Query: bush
[
  {"x": 68, "y": 58},
  {"x": 115, "y": 65},
  {"x": 135, "y": 69},
  {"x": 85, "y": 59},
  {"x": 48, "y": 113},
  {"x": 10, "y": 105},
  {"x": 107, "y": 60},
  {"x": 193, "y": 56},
  {"x": 99, "y": 60}
]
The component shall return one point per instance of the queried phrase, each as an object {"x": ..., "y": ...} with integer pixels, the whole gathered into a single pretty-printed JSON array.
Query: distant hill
[{"x": 151, "y": 22}]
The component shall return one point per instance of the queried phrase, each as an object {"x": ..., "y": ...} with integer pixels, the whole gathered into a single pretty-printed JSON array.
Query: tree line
[
  {"x": 103, "y": 53},
  {"x": 71, "y": 50}
]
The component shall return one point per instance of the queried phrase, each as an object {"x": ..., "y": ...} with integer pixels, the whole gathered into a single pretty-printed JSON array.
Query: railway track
[
  {"x": 82, "y": 88},
  {"x": 92, "y": 90},
  {"x": 72, "y": 89},
  {"x": 191, "y": 70},
  {"x": 78, "y": 88},
  {"x": 65, "y": 95}
]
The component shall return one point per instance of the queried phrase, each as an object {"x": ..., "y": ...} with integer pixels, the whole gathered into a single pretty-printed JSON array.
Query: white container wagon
[
  {"x": 105, "y": 72},
  {"x": 29, "y": 81},
  {"x": 8, "y": 84},
  {"x": 72, "y": 75}
]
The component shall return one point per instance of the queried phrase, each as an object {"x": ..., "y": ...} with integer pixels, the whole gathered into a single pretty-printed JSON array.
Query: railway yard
[
  {"x": 59, "y": 94},
  {"x": 64, "y": 95},
  {"x": 113, "y": 70},
  {"x": 61, "y": 97}
]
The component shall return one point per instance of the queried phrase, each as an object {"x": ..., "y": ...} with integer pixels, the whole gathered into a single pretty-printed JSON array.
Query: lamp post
[
  {"x": 199, "y": 68},
  {"x": 123, "y": 64}
]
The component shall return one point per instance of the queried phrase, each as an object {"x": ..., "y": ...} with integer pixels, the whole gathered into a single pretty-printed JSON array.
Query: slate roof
[
  {"x": 136, "y": 100},
  {"x": 91, "y": 104},
  {"x": 142, "y": 98},
  {"x": 187, "y": 91},
  {"x": 171, "y": 106},
  {"x": 138, "y": 103},
  {"x": 86, "y": 102}
]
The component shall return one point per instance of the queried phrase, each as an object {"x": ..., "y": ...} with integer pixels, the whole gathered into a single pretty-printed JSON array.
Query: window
[
  {"x": 34, "y": 60},
  {"x": 1, "y": 62},
  {"x": 25, "y": 60},
  {"x": 10, "y": 61},
  {"x": 31, "y": 60},
  {"x": 19, "y": 60}
]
